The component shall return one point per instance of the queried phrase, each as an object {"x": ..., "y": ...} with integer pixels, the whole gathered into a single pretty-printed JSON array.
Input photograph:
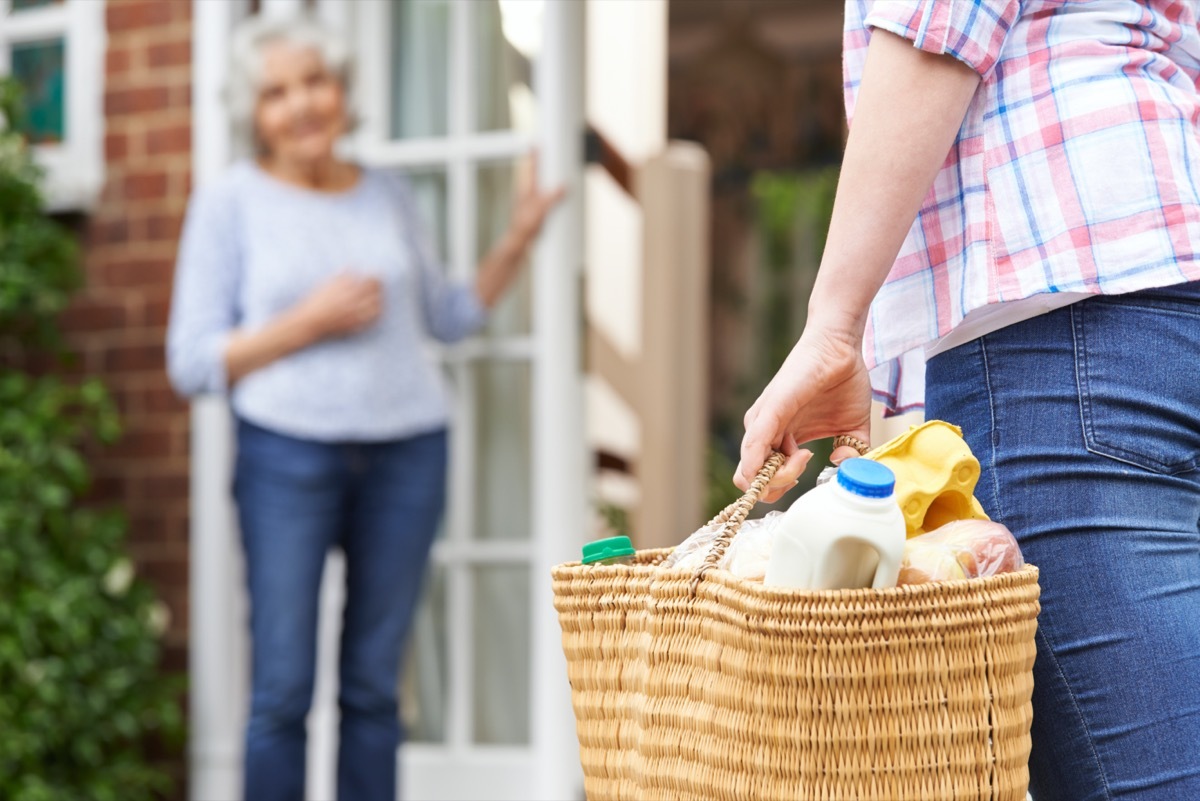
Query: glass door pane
[
  {"x": 512, "y": 316},
  {"x": 423, "y": 688},
  {"x": 431, "y": 193},
  {"x": 503, "y": 457},
  {"x": 502, "y": 657},
  {"x": 420, "y": 54},
  {"x": 507, "y": 37}
]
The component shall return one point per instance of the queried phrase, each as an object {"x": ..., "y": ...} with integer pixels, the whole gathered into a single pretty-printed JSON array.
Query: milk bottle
[{"x": 846, "y": 533}]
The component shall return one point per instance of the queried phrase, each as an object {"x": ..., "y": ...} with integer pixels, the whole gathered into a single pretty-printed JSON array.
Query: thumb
[{"x": 846, "y": 451}]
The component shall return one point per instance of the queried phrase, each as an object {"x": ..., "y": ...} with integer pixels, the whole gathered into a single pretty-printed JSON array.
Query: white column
[
  {"x": 216, "y": 647},
  {"x": 281, "y": 7},
  {"x": 559, "y": 513}
]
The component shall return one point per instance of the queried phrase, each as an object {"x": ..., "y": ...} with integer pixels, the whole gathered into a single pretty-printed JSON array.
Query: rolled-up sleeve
[
  {"x": 204, "y": 298},
  {"x": 973, "y": 31},
  {"x": 452, "y": 309}
]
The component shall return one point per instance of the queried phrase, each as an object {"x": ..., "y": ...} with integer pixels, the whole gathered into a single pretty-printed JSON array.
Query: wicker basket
[{"x": 706, "y": 686}]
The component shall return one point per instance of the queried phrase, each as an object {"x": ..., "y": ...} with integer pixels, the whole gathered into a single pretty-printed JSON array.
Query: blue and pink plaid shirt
[{"x": 1076, "y": 170}]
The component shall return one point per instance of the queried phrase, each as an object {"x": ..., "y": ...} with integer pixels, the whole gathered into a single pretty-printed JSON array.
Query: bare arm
[
  {"x": 910, "y": 107},
  {"x": 502, "y": 263}
]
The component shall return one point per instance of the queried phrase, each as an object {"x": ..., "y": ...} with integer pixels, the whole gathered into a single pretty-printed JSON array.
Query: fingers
[
  {"x": 788, "y": 474},
  {"x": 843, "y": 453}
]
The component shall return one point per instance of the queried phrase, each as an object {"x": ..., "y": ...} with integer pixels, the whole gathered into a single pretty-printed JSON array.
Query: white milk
[{"x": 846, "y": 533}]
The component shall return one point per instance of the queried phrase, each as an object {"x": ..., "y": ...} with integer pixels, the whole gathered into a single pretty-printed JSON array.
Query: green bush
[{"x": 81, "y": 694}]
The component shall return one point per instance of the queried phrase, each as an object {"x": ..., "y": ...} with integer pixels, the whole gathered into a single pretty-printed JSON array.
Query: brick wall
[{"x": 118, "y": 322}]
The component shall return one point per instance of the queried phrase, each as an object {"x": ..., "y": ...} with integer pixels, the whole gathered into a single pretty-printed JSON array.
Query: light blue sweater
[{"x": 254, "y": 246}]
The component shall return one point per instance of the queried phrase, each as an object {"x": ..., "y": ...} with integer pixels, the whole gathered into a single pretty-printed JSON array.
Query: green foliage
[
  {"x": 792, "y": 211},
  {"x": 81, "y": 691}
]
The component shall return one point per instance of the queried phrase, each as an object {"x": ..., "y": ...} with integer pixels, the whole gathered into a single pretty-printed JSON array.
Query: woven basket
[{"x": 706, "y": 686}]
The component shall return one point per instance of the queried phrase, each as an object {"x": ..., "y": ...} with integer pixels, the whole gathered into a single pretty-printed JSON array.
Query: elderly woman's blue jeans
[
  {"x": 1086, "y": 421},
  {"x": 380, "y": 503}
]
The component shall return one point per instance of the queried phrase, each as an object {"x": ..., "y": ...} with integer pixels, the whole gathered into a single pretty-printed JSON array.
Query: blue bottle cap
[{"x": 866, "y": 478}]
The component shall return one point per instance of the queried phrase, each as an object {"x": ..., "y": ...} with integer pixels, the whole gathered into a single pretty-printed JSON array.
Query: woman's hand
[
  {"x": 821, "y": 390},
  {"x": 342, "y": 306},
  {"x": 532, "y": 204}
]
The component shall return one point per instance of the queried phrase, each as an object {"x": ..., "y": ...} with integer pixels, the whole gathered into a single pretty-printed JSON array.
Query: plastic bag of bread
[
  {"x": 746, "y": 556},
  {"x": 961, "y": 549}
]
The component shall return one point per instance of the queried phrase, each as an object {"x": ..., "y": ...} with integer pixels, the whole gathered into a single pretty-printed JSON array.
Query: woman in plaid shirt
[{"x": 1016, "y": 245}]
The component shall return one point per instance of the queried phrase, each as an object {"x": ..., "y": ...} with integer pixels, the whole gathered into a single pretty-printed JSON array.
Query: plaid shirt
[{"x": 1077, "y": 167}]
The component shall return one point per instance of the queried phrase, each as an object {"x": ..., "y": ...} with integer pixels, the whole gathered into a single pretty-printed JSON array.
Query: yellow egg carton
[{"x": 936, "y": 474}]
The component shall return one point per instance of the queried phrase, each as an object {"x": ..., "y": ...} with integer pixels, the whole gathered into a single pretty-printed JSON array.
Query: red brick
[
  {"x": 166, "y": 485},
  {"x": 125, "y": 15},
  {"x": 146, "y": 186},
  {"x": 93, "y": 315},
  {"x": 166, "y": 571},
  {"x": 171, "y": 139},
  {"x": 108, "y": 489},
  {"x": 116, "y": 147},
  {"x": 133, "y": 358},
  {"x": 137, "y": 100},
  {"x": 164, "y": 227},
  {"x": 156, "y": 312},
  {"x": 144, "y": 442},
  {"x": 170, "y": 54},
  {"x": 162, "y": 399},
  {"x": 136, "y": 272},
  {"x": 181, "y": 93},
  {"x": 109, "y": 231},
  {"x": 117, "y": 60}
]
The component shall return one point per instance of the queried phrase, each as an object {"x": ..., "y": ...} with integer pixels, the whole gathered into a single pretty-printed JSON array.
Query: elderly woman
[{"x": 305, "y": 287}]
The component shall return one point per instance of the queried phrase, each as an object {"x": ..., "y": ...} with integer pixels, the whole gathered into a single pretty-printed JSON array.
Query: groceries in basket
[
  {"x": 746, "y": 556},
  {"x": 846, "y": 533},
  {"x": 850, "y": 530},
  {"x": 609, "y": 551},
  {"x": 961, "y": 549}
]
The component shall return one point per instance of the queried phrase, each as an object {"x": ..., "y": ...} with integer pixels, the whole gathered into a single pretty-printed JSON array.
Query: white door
[{"x": 452, "y": 93}]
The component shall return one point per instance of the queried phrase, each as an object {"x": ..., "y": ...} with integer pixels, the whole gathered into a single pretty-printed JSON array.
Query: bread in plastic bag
[
  {"x": 746, "y": 556},
  {"x": 961, "y": 549}
]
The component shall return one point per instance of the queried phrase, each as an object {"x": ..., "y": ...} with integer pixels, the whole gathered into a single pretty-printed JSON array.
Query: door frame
[{"x": 218, "y": 652}]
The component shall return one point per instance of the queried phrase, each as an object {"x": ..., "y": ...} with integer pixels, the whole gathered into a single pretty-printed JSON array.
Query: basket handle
[{"x": 733, "y": 515}]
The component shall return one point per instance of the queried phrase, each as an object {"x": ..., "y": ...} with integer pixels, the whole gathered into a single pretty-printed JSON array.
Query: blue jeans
[
  {"x": 379, "y": 502},
  {"x": 1087, "y": 423}
]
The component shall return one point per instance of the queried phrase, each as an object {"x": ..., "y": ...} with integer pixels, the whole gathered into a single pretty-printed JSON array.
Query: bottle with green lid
[{"x": 609, "y": 551}]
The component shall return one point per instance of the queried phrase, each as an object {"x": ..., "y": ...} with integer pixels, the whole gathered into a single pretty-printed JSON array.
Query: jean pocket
[{"x": 1137, "y": 393}]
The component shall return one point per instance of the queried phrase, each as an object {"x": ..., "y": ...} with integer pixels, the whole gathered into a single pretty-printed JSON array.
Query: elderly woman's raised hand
[
  {"x": 532, "y": 204},
  {"x": 344, "y": 305}
]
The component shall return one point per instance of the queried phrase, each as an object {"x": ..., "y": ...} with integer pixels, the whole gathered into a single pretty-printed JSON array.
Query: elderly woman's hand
[
  {"x": 343, "y": 305},
  {"x": 532, "y": 204}
]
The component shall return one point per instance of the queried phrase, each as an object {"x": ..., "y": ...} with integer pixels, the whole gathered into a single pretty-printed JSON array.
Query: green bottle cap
[{"x": 610, "y": 548}]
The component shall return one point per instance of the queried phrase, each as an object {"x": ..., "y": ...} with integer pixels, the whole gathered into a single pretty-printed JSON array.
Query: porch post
[
  {"x": 559, "y": 474},
  {"x": 216, "y": 652}
]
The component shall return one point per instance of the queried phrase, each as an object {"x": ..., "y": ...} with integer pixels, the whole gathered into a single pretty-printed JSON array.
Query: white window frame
[{"x": 74, "y": 167}]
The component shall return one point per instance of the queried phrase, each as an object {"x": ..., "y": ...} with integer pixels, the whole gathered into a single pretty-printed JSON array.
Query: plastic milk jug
[{"x": 843, "y": 534}]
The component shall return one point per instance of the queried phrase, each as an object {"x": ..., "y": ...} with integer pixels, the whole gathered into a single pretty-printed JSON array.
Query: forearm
[
  {"x": 910, "y": 107},
  {"x": 247, "y": 351},
  {"x": 499, "y": 267}
]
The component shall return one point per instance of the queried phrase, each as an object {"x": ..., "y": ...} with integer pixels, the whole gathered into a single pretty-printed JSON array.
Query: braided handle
[{"x": 733, "y": 515}]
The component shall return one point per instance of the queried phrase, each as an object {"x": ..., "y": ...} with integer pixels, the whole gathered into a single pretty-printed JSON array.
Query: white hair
[{"x": 245, "y": 67}]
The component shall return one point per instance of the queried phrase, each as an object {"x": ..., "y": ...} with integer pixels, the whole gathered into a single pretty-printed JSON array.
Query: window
[{"x": 55, "y": 49}]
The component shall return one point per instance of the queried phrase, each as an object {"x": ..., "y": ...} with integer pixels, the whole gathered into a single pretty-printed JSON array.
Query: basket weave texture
[{"x": 706, "y": 686}]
